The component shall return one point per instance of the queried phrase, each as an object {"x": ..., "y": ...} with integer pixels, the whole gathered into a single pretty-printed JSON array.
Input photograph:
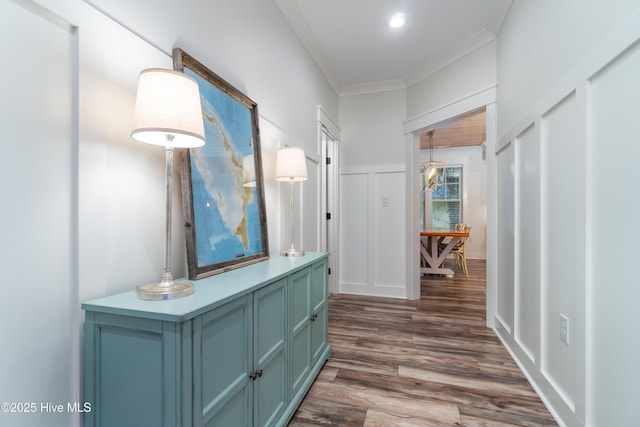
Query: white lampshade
[
  {"x": 291, "y": 165},
  {"x": 168, "y": 110}
]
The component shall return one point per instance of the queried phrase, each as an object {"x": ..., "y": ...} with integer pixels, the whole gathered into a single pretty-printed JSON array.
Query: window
[{"x": 445, "y": 204}]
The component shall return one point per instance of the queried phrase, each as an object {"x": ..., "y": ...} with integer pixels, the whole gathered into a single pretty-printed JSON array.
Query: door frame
[
  {"x": 329, "y": 194},
  {"x": 484, "y": 98}
]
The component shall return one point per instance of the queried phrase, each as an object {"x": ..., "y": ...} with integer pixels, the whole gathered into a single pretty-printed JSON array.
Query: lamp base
[
  {"x": 164, "y": 290},
  {"x": 292, "y": 252}
]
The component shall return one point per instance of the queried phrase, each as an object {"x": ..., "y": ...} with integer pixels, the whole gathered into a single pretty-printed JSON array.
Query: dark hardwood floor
[{"x": 428, "y": 362}]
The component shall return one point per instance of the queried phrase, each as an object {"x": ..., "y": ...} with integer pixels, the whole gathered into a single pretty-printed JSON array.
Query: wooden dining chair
[{"x": 458, "y": 250}]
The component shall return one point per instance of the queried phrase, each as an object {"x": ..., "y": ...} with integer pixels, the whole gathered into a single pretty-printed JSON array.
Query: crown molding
[
  {"x": 375, "y": 87},
  {"x": 294, "y": 16}
]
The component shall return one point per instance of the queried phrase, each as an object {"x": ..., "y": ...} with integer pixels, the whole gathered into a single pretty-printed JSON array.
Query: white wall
[
  {"x": 259, "y": 54},
  {"x": 470, "y": 74},
  {"x": 38, "y": 244},
  {"x": 474, "y": 192},
  {"x": 535, "y": 58},
  {"x": 371, "y": 129},
  {"x": 567, "y": 173},
  {"x": 87, "y": 202},
  {"x": 372, "y": 194}
]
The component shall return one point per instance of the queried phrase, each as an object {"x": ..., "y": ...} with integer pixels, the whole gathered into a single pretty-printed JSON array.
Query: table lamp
[
  {"x": 291, "y": 166},
  {"x": 167, "y": 113}
]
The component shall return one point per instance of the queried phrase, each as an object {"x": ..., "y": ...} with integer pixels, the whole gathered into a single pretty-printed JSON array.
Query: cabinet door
[
  {"x": 131, "y": 371},
  {"x": 300, "y": 310},
  {"x": 222, "y": 364},
  {"x": 319, "y": 315},
  {"x": 269, "y": 338}
]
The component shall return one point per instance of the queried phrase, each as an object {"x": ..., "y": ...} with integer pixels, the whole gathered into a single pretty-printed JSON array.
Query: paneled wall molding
[
  {"x": 97, "y": 5},
  {"x": 51, "y": 16},
  {"x": 506, "y": 143},
  {"x": 526, "y": 246},
  {"x": 612, "y": 127},
  {"x": 310, "y": 213},
  {"x": 41, "y": 136},
  {"x": 607, "y": 51},
  {"x": 505, "y": 236},
  {"x": 560, "y": 157},
  {"x": 372, "y": 224},
  {"x": 349, "y": 170},
  {"x": 307, "y": 195}
]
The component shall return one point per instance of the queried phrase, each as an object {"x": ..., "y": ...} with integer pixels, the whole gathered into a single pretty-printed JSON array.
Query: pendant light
[{"x": 431, "y": 172}]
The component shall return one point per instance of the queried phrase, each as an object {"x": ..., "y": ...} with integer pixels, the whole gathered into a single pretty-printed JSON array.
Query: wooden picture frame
[{"x": 223, "y": 196}]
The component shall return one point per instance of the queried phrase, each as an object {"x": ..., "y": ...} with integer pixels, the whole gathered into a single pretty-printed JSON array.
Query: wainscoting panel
[
  {"x": 505, "y": 302},
  {"x": 311, "y": 211},
  {"x": 389, "y": 225},
  {"x": 38, "y": 226},
  {"x": 372, "y": 231},
  {"x": 527, "y": 292},
  {"x": 354, "y": 239},
  {"x": 613, "y": 264},
  {"x": 583, "y": 254},
  {"x": 563, "y": 217}
]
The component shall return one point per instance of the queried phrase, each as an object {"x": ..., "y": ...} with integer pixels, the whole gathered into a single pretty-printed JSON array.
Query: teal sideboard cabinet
[{"x": 241, "y": 351}]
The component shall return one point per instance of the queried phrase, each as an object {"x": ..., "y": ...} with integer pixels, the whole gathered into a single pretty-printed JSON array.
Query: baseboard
[
  {"x": 563, "y": 415},
  {"x": 373, "y": 290}
]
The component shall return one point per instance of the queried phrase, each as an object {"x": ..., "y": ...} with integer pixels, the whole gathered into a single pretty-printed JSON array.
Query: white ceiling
[{"x": 358, "y": 51}]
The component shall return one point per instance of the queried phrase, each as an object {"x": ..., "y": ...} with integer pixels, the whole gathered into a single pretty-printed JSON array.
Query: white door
[{"x": 329, "y": 234}]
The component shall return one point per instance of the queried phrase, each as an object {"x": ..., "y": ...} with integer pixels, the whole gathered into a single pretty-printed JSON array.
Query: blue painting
[{"x": 225, "y": 210}]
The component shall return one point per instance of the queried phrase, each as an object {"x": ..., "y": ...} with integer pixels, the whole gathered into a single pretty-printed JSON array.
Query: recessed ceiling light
[{"x": 397, "y": 20}]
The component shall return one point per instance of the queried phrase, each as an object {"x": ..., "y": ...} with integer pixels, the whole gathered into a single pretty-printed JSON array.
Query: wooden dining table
[{"x": 430, "y": 240}]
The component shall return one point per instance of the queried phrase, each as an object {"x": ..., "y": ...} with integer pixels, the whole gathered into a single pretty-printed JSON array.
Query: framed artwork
[{"x": 222, "y": 186}]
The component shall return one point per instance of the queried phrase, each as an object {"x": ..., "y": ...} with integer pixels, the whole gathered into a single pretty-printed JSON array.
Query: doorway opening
[
  {"x": 485, "y": 99},
  {"x": 458, "y": 144}
]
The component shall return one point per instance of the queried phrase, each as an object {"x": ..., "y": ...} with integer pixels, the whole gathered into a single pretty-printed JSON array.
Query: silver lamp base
[
  {"x": 292, "y": 252},
  {"x": 164, "y": 290}
]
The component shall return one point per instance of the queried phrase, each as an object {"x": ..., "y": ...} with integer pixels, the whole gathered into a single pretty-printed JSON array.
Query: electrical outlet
[{"x": 564, "y": 328}]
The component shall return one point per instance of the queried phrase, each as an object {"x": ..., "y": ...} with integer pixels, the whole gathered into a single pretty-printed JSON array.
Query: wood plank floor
[{"x": 429, "y": 362}]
